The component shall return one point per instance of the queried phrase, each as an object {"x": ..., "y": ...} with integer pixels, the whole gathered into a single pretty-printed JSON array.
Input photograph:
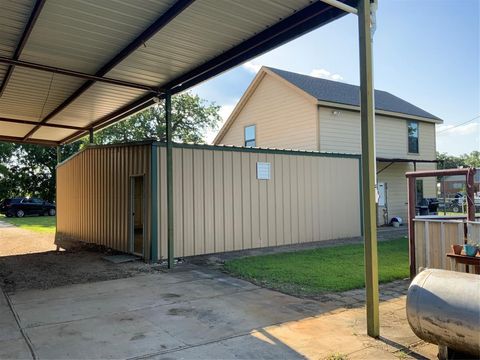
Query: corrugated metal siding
[
  {"x": 219, "y": 205},
  {"x": 276, "y": 109},
  {"x": 93, "y": 191}
]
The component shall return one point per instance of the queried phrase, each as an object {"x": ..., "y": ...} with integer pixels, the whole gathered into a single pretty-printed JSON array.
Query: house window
[
  {"x": 250, "y": 135},
  {"x": 413, "y": 137}
]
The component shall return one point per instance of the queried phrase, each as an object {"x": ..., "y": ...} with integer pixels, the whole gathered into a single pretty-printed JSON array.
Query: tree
[
  {"x": 29, "y": 170},
  {"x": 465, "y": 160},
  {"x": 192, "y": 118}
]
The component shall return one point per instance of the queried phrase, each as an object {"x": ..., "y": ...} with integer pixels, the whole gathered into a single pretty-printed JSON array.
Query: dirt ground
[{"x": 29, "y": 260}]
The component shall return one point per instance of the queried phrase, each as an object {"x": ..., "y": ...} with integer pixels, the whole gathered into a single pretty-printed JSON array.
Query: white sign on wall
[{"x": 263, "y": 170}]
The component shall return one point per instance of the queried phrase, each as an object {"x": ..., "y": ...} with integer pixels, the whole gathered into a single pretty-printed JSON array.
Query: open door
[{"x": 137, "y": 215}]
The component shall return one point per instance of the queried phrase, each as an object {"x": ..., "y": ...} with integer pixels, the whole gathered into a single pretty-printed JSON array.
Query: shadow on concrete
[{"x": 406, "y": 350}]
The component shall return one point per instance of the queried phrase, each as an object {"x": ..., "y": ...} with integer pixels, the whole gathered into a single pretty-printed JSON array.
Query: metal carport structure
[{"x": 70, "y": 68}]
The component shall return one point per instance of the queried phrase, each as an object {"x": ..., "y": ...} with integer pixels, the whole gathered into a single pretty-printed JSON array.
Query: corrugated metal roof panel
[
  {"x": 9, "y": 129},
  {"x": 98, "y": 101},
  {"x": 13, "y": 16},
  {"x": 52, "y": 134},
  {"x": 28, "y": 97},
  {"x": 85, "y": 35}
]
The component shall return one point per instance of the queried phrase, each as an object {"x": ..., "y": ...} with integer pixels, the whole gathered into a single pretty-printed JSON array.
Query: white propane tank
[{"x": 443, "y": 308}]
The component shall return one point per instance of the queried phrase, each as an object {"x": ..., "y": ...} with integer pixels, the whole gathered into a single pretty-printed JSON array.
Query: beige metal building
[
  {"x": 225, "y": 198},
  {"x": 287, "y": 110}
]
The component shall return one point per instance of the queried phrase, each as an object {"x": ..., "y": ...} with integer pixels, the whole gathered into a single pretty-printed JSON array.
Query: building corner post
[
  {"x": 368, "y": 166},
  {"x": 154, "y": 203},
  {"x": 168, "y": 121}
]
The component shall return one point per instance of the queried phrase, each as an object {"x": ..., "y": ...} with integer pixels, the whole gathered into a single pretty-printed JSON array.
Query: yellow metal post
[{"x": 368, "y": 166}]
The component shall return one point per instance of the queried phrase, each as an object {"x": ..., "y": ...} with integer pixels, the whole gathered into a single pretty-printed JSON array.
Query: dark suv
[{"x": 20, "y": 207}]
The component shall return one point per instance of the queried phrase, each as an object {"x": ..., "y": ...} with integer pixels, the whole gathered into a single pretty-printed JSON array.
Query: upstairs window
[
  {"x": 413, "y": 137},
  {"x": 250, "y": 135}
]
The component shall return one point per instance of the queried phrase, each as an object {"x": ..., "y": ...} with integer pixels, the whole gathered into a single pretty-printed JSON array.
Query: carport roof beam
[
  {"x": 28, "y": 122},
  {"x": 342, "y": 6},
  {"x": 77, "y": 74}
]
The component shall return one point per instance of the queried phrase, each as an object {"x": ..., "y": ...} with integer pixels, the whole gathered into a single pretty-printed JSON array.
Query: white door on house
[{"x": 382, "y": 204}]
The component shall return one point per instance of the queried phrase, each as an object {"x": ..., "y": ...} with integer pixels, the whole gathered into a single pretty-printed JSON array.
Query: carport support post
[
  {"x": 367, "y": 113},
  {"x": 168, "y": 121}
]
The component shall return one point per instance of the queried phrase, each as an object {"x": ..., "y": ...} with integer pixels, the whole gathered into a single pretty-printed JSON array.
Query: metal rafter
[
  {"x": 299, "y": 23},
  {"x": 20, "y": 140},
  {"x": 161, "y": 22},
  {"x": 28, "y": 122},
  {"x": 23, "y": 40},
  {"x": 77, "y": 74}
]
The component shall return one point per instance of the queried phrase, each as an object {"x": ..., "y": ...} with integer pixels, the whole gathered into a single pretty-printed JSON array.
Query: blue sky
[{"x": 426, "y": 52}]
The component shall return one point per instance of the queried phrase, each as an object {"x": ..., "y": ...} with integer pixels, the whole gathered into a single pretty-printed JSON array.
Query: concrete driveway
[{"x": 192, "y": 313}]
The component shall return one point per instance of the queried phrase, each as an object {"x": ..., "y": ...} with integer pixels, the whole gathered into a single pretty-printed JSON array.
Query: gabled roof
[
  {"x": 329, "y": 93},
  {"x": 347, "y": 94}
]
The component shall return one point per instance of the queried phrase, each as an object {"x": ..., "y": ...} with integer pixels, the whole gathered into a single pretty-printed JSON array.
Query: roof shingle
[{"x": 342, "y": 93}]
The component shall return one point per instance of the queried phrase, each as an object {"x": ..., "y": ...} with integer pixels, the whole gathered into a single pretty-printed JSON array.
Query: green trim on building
[
  {"x": 261, "y": 150},
  {"x": 154, "y": 203}
]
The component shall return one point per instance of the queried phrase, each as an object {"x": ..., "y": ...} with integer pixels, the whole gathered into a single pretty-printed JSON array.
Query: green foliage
[
  {"x": 42, "y": 224},
  {"x": 29, "y": 170},
  {"x": 192, "y": 118},
  {"x": 465, "y": 160},
  {"x": 311, "y": 272}
]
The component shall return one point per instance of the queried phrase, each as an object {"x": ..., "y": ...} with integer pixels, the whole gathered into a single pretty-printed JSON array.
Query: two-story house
[{"x": 286, "y": 110}]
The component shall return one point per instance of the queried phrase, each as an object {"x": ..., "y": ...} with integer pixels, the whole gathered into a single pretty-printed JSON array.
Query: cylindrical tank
[{"x": 443, "y": 308}]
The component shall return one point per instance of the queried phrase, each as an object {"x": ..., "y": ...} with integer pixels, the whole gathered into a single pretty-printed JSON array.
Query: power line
[{"x": 466, "y": 122}]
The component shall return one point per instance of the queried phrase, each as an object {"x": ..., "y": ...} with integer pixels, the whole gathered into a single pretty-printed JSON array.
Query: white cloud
[
  {"x": 252, "y": 66},
  {"x": 325, "y": 74},
  {"x": 224, "y": 112},
  {"x": 467, "y": 129}
]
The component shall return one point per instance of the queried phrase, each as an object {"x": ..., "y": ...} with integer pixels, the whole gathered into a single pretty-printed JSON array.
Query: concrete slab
[
  {"x": 12, "y": 343},
  {"x": 251, "y": 346},
  {"x": 130, "y": 295},
  {"x": 197, "y": 314}
]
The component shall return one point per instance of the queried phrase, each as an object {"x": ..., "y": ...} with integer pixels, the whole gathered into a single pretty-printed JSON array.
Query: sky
[{"x": 426, "y": 52}]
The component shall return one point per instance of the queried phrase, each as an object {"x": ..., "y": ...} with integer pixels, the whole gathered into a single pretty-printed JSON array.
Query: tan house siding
[
  {"x": 341, "y": 133},
  {"x": 220, "y": 205},
  {"x": 275, "y": 108}
]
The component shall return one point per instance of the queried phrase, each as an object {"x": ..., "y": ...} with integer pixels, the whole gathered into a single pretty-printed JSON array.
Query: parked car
[{"x": 21, "y": 206}]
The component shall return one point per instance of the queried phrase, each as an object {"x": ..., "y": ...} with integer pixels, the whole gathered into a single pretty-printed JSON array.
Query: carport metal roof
[{"x": 68, "y": 67}]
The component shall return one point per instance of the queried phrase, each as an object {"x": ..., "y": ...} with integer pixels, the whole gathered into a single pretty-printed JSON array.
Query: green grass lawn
[
  {"x": 43, "y": 224},
  {"x": 310, "y": 272}
]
